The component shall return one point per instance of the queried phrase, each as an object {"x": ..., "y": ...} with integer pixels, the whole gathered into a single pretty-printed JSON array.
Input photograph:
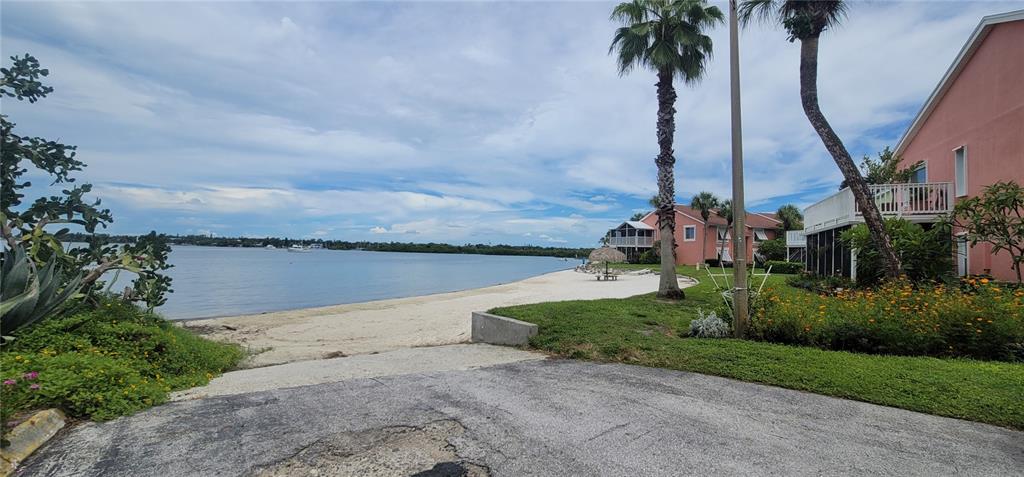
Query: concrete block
[
  {"x": 29, "y": 436},
  {"x": 500, "y": 330}
]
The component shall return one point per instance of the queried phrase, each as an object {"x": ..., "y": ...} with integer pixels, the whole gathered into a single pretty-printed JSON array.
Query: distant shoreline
[{"x": 281, "y": 243}]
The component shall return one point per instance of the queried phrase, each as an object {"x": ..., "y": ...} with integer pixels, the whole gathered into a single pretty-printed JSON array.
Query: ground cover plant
[
  {"x": 983, "y": 320},
  {"x": 644, "y": 330},
  {"x": 105, "y": 362}
]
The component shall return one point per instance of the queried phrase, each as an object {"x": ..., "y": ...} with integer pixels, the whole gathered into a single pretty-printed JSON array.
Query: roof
[
  {"x": 757, "y": 220},
  {"x": 977, "y": 37},
  {"x": 636, "y": 224}
]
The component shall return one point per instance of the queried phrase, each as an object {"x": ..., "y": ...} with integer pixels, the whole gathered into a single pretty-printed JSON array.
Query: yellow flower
[{"x": 984, "y": 281}]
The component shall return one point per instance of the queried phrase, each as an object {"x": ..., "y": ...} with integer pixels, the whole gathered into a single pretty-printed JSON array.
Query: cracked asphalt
[{"x": 548, "y": 417}]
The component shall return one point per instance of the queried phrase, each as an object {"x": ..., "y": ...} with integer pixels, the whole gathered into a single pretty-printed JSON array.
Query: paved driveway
[{"x": 549, "y": 417}]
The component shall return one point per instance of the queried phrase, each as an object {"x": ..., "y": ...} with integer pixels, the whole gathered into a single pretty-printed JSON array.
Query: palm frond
[
  {"x": 659, "y": 34},
  {"x": 763, "y": 11}
]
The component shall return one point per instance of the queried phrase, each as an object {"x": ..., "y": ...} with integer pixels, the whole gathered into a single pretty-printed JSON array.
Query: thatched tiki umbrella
[{"x": 606, "y": 254}]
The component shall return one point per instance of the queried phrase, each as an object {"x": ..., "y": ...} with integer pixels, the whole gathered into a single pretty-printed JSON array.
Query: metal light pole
[{"x": 739, "y": 266}]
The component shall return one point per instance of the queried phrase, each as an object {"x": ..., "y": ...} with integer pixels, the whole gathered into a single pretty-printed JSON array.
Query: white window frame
[
  {"x": 720, "y": 235},
  {"x": 924, "y": 165},
  {"x": 763, "y": 234},
  {"x": 957, "y": 176},
  {"x": 961, "y": 241},
  {"x": 687, "y": 228}
]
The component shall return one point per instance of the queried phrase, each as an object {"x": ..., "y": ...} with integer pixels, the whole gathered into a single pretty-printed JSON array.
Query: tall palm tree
[
  {"x": 725, "y": 212},
  {"x": 704, "y": 201},
  {"x": 791, "y": 217},
  {"x": 805, "y": 20},
  {"x": 666, "y": 36}
]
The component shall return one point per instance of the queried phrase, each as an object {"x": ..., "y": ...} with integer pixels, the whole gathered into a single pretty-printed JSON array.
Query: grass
[{"x": 645, "y": 331}]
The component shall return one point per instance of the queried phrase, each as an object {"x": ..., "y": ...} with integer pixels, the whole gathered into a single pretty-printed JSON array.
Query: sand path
[{"x": 360, "y": 328}]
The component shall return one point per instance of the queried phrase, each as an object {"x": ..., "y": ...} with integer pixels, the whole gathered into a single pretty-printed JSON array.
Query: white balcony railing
[
  {"x": 795, "y": 238},
  {"x": 922, "y": 201},
  {"x": 929, "y": 198},
  {"x": 631, "y": 241}
]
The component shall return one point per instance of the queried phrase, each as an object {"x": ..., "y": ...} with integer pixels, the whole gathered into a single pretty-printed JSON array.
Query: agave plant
[{"x": 29, "y": 294}]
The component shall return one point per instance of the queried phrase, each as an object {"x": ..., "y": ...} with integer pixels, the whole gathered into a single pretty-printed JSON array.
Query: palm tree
[
  {"x": 791, "y": 217},
  {"x": 704, "y": 201},
  {"x": 666, "y": 36},
  {"x": 805, "y": 20},
  {"x": 725, "y": 212}
]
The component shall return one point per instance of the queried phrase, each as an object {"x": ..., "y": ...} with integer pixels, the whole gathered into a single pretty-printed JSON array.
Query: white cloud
[{"x": 428, "y": 118}]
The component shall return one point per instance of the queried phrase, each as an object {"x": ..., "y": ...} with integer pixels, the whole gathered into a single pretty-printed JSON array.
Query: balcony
[
  {"x": 630, "y": 241},
  {"x": 795, "y": 238},
  {"x": 923, "y": 202}
]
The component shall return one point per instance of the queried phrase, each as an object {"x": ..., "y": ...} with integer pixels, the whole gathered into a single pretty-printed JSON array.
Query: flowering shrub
[
  {"x": 104, "y": 363},
  {"x": 983, "y": 320}
]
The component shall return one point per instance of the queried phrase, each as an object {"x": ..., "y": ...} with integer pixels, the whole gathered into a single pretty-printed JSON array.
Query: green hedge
[{"x": 785, "y": 267}]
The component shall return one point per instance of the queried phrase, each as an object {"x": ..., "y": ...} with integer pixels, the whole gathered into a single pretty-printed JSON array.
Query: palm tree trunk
[
  {"x": 835, "y": 147},
  {"x": 669, "y": 286}
]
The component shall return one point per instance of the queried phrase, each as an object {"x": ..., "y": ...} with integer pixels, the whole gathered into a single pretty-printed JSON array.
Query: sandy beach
[{"x": 377, "y": 326}]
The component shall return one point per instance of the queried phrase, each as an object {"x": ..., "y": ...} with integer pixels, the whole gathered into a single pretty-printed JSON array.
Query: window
[
  {"x": 920, "y": 175},
  {"x": 960, "y": 170},
  {"x": 690, "y": 233},
  {"x": 759, "y": 235},
  {"x": 723, "y": 233}
]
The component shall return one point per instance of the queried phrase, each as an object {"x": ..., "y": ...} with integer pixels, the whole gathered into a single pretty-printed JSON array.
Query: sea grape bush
[
  {"x": 984, "y": 320},
  {"x": 41, "y": 225}
]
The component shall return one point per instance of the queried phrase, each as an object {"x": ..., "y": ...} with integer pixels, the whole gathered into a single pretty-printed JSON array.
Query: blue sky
[{"x": 455, "y": 122}]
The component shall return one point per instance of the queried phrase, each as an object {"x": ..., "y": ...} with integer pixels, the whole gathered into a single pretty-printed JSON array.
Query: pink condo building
[
  {"x": 636, "y": 237},
  {"x": 968, "y": 135}
]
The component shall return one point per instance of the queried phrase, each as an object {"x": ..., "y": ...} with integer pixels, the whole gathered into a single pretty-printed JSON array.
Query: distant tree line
[{"x": 478, "y": 249}]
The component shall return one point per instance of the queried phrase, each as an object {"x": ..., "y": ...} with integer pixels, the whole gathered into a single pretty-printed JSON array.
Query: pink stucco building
[
  {"x": 970, "y": 132},
  {"x": 635, "y": 237}
]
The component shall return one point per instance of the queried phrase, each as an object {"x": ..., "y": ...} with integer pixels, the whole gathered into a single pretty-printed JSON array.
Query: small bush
[
  {"x": 107, "y": 362},
  {"x": 773, "y": 250},
  {"x": 785, "y": 267},
  {"x": 899, "y": 318},
  {"x": 708, "y": 326},
  {"x": 715, "y": 263},
  {"x": 827, "y": 285},
  {"x": 926, "y": 254},
  {"x": 649, "y": 257}
]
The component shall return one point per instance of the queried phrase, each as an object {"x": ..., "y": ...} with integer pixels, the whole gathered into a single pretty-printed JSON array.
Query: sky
[{"x": 458, "y": 122}]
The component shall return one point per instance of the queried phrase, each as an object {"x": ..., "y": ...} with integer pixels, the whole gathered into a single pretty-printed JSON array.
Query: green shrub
[
  {"x": 108, "y": 362},
  {"x": 785, "y": 267},
  {"x": 773, "y": 250},
  {"x": 716, "y": 263},
  {"x": 650, "y": 256},
  {"x": 898, "y": 318},
  {"x": 926, "y": 255},
  {"x": 827, "y": 285}
]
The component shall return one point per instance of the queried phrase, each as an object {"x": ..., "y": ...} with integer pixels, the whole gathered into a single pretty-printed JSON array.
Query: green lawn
[{"x": 645, "y": 331}]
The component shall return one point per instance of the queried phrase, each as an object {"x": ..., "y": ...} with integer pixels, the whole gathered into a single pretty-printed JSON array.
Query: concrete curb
[
  {"x": 29, "y": 436},
  {"x": 500, "y": 330}
]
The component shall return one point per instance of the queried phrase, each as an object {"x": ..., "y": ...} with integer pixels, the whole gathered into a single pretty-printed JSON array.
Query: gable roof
[
  {"x": 636, "y": 224},
  {"x": 977, "y": 37},
  {"x": 757, "y": 220}
]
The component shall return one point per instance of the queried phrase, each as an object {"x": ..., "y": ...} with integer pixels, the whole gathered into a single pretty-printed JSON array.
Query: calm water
[{"x": 219, "y": 281}]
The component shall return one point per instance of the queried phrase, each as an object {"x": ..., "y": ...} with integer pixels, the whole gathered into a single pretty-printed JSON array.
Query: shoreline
[
  {"x": 385, "y": 325},
  {"x": 333, "y": 305}
]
